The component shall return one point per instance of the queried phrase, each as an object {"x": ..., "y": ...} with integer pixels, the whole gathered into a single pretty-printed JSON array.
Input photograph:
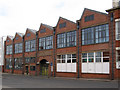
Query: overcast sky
[{"x": 17, "y": 15}]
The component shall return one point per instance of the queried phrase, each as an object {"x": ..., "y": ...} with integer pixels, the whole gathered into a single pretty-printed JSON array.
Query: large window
[
  {"x": 18, "y": 48},
  {"x": 18, "y": 63},
  {"x": 66, "y": 39},
  {"x": 66, "y": 63},
  {"x": 95, "y": 62},
  {"x": 46, "y": 43},
  {"x": 94, "y": 35},
  {"x": 30, "y": 46},
  {"x": 61, "y": 40},
  {"x": 71, "y": 39},
  {"x": 118, "y": 59},
  {"x": 117, "y": 29},
  {"x": 8, "y": 63},
  {"x": 30, "y": 60},
  {"x": 9, "y": 49},
  {"x": 49, "y": 42}
]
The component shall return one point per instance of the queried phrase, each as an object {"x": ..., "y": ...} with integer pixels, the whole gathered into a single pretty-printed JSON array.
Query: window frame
[
  {"x": 117, "y": 28},
  {"x": 65, "y": 40},
  {"x": 9, "y": 49},
  {"x": 95, "y": 35},
  {"x": 18, "y": 48},
  {"x": 29, "y": 44},
  {"x": 46, "y": 43}
]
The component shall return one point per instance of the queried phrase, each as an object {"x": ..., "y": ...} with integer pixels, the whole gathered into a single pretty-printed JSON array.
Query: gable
[
  {"x": 92, "y": 17},
  {"x": 45, "y": 30},
  {"x": 65, "y": 25},
  {"x": 17, "y": 38},
  {"x": 29, "y": 35},
  {"x": 8, "y": 41}
]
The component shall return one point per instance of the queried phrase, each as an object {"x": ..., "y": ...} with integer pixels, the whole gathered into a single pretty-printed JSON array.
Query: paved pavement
[{"x": 24, "y": 81}]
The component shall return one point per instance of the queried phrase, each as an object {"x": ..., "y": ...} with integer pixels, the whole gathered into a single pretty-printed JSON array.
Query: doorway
[
  {"x": 27, "y": 71},
  {"x": 44, "y": 67}
]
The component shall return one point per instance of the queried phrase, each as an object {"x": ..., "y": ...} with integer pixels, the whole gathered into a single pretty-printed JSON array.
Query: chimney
[{"x": 116, "y": 3}]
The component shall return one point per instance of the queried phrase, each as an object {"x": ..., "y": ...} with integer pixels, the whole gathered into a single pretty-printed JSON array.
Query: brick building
[{"x": 87, "y": 48}]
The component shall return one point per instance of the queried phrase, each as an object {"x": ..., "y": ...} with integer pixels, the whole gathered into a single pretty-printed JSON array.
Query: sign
[{"x": 51, "y": 64}]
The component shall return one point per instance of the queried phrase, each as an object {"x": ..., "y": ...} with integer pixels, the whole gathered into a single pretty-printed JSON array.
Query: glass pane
[
  {"x": 73, "y": 60},
  {"x": 105, "y": 59},
  {"x": 84, "y": 60},
  {"x": 68, "y": 60},
  {"x": 73, "y": 55},
  {"x": 68, "y": 55},
  {"x": 98, "y": 59},
  {"x": 84, "y": 55},
  {"x": 90, "y": 54},
  {"x": 98, "y": 54},
  {"x": 91, "y": 59},
  {"x": 59, "y": 57}
]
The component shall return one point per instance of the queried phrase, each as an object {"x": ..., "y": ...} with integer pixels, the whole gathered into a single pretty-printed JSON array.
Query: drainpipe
[
  {"x": 78, "y": 48},
  {"x": 23, "y": 62},
  {"x": 54, "y": 51},
  {"x": 36, "y": 53},
  {"x": 112, "y": 35},
  {"x": 12, "y": 56}
]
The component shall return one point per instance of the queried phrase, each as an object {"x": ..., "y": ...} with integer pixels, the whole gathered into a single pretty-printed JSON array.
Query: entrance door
[
  {"x": 27, "y": 70},
  {"x": 44, "y": 67}
]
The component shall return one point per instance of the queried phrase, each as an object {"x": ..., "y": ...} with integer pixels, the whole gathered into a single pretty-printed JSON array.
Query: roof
[
  {"x": 48, "y": 26},
  {"x": 20, "y": 34},
  {"x": 112, "y": 9},
  {"x": 11, "y": 37},
  {"x": 31, "y": 30},
  {"x": 67, "y": 20},
  {"x": 92, "y": 11}
]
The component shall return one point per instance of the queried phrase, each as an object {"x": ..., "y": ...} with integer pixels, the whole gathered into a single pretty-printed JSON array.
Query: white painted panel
[
  {"x": 69, "y": 67},
  {"x": 63, "y": 67},
  {"x": 91, "y": 68},
  {"x": 84, "y": 68},
  {"x": 59, "y": 67},
  {"x": 118, "y": 65},
  {"x": 98, "y": 68},
  {"x": 73, "y": 67},
  {"x": 106, "y": 67}
]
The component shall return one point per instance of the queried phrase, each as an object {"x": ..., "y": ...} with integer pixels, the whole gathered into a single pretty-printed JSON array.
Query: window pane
[{"x": 84, "y": 60}]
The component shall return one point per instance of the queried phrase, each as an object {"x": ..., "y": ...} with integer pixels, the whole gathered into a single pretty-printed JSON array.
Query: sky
[{"x": 18, "y": 15}]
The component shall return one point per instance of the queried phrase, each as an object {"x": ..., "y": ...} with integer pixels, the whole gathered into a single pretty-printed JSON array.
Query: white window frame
[
  {"x": 117, "y": 28},
  {"x": 91, "y": 67},
  {"x": 117, "y": 62},
  {"x": 63, "y": 67}
]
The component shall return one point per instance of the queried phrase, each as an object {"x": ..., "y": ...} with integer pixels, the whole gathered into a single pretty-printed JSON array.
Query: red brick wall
[
  {"x": 70, "y": 26},
  {"x": 99, "y": 18},
  {"x": 62, "y": 74},
  {"x": 95, "y": 76}
]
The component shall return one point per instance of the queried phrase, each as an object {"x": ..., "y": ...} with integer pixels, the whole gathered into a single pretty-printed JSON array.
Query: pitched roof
[
  {"x": 31, "y": 30},
  {"x": 48, "y": 26},
  {"x": 67, "y": 20},
  {"x": 92, "y": 11},
  {"x": 20, "y": 34},
  {"x": 64, "y": 19},
  {"x": 11, "y": 37}
]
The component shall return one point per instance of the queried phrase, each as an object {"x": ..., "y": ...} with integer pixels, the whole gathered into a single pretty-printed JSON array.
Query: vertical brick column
[
  {"x": 112, "y": 44},
  {"x": 4, "y": 56}
]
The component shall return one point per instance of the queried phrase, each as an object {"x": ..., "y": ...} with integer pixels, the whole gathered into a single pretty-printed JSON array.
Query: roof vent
[{"x": 116, "y": 3}]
